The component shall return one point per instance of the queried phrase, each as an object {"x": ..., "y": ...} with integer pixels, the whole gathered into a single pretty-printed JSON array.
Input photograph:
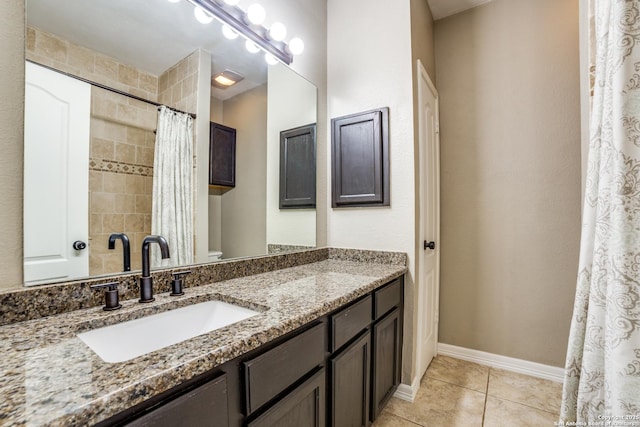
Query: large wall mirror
[{"x": 103, "y": 169}]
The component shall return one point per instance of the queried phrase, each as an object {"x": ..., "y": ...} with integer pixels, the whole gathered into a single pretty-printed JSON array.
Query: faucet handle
[
  {"x": 111, "y": 298},
  {"x": 176, "y": 283}
]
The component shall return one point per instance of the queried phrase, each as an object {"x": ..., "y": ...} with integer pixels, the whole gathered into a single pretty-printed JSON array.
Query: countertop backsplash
[{"x": 40, "y": 301}]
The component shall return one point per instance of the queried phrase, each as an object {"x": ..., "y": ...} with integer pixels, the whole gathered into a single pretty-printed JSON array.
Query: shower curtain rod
[{"x": 110, "y": 89}]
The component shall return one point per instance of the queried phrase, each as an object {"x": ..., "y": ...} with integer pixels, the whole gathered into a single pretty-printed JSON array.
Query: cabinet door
[
  {"x": 303, "y": 407},
  {"x": 222, "y": 155},
  {"x": 350, "y": 384},
  {"x": 298, "y": 168},
  {"x": 387, "y": 348},
  {"x": 204, "y": 406},
  {"x": 360, "y": 159}
]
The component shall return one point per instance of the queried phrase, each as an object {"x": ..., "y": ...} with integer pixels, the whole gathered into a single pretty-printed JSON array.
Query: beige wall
[
  {"x": 244, "y": 229},
  {"x": 422, "y": 43},
  {"x": 12, "y": 42},
  {"x": 508, "y": 78}
]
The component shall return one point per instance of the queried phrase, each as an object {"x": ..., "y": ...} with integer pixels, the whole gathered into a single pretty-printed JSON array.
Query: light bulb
[
  {"x": 174, "y": 1},
  {"x": 256, "y": 14},
  {"x": 231, "y": 2},
  {"x": 229, "y": 32},
  {"x": 251, "y": 46},
  {"x": 271, "y": 60},
  {"x": 278, "y": 31},
  {"x": 202, "y": 16},
  {"x": 296, "y": 46}
]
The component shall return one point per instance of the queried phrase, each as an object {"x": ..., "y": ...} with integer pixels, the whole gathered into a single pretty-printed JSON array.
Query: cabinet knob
[{"x": 431, "y": 245}]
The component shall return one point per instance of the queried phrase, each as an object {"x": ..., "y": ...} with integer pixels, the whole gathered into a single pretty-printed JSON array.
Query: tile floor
[{"x": 455, "y": 393}]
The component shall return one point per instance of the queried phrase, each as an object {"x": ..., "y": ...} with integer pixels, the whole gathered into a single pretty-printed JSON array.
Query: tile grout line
[
  {"x": 452, "y": 383},
  {"x": 525, "y": 405},
  {"x": 516, "y": 402},
  {"x": 486, "y": 396}
]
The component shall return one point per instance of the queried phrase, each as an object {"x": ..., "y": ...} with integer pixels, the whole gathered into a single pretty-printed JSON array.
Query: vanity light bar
[{"x": 235, "y": 17}]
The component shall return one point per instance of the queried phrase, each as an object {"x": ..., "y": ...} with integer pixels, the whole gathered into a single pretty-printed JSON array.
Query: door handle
[
  {"x": 431, "y": 245},
  {"x": 79, "y": 245}
]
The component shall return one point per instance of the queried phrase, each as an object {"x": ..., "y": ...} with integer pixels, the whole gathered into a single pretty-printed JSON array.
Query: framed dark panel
[
  {"x": 360, "y": 159},
  {"x": 222, "y": 155},
  {"x": 298, "y": 168}
]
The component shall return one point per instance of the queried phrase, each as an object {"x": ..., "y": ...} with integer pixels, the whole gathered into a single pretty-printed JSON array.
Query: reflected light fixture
[
  {"x": 229, "y": 32},
  {"x": 296, "y": 45},
  {"x": 251, "y": 46},
  {"x": 202, "y": 16},
  {"x": 256, "y": 14},
  {"x": 226, "y": 79},
  {"x": 270, "y": 59},
  {"x": 249, "y": 25},
  {"x": 278, "y": 31}
]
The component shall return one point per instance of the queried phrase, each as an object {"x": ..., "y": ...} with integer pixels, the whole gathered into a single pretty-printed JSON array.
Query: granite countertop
[{"x": 49, "y": 377}]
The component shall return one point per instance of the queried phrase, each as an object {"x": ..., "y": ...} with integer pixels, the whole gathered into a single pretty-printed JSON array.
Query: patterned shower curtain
[
  {"x": 602, "y": 376},
  {"x": 172, "y": 213}
]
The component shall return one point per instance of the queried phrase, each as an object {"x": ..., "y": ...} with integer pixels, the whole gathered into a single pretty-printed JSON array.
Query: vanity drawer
[
  {"x": 272, "y": 372},
  {"x": 386, "y": 298},
  {"x": 347, "y": 323}
]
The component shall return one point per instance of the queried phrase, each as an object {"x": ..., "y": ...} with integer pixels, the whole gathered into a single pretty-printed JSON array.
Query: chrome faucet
[
  {"x": 146, "y": 282},
  {"x": 126, "y": 251}
]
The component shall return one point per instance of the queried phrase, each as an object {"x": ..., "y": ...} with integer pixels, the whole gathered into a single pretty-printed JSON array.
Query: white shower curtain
[
  {"x": 172, "y": 213},
  {"x": 602, "y": 376}
]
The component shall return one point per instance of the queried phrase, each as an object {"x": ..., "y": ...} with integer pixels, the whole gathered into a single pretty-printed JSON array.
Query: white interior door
[
  {"x": 429, "y": 259},
  {"x": 56, "y": 170}
]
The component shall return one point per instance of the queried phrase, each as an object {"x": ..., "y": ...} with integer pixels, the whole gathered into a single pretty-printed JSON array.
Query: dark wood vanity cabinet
[
  {"x": 386, "y": 358},
  {"x": 386, "y": 362},
  {"x": 205, "y": 406},
  {"x": 339, "y": 370},
  {"x": 302, "y": 407},
  {"x": 350, "y": 371},
  {"x": 222, "y": 155}
]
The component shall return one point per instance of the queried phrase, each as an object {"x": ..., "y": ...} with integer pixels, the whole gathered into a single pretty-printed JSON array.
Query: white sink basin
[{"x": 133, "y": 338}]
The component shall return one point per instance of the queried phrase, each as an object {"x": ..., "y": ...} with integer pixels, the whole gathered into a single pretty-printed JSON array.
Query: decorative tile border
[{"x": 120, "y": 167}]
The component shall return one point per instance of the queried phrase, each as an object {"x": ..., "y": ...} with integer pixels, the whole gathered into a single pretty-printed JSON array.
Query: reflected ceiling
[{"x": 443, "y": 8}]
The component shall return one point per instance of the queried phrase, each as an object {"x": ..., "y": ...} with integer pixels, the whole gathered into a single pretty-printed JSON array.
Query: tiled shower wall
[
  {"x": 178, "y": 86},
  {"x": 120, "y": 177},
  {"x": 121, "y": 150}
]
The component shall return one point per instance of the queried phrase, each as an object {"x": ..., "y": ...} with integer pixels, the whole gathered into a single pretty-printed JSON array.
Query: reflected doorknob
[
  {"x": 430, "y": 245},
  {"x": 79, "y": 245}
]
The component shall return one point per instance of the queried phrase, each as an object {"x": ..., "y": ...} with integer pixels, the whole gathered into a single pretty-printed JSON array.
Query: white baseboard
[
  {"x": 408, "y": 392},
  {"x": 520, "y": 366}
]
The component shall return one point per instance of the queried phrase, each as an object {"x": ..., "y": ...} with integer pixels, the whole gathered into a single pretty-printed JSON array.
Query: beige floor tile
[
  {"x": 534, "y": 392},
  {"x": 459, "y": 372},
  {"x": 499, "y": 413},
  {"x": 387, "y": 419},
  {"x": 441, "y": 404}
]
